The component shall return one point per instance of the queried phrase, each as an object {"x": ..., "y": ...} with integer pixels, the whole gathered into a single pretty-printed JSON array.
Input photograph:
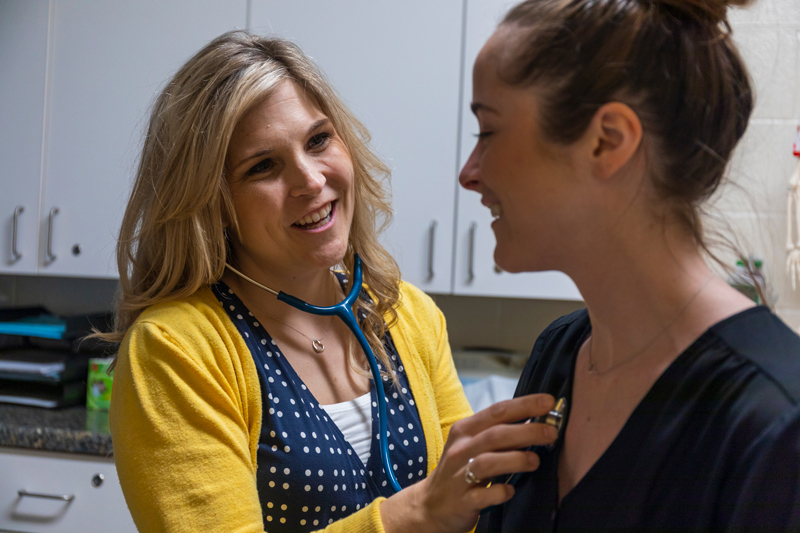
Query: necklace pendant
[{"x": 318, "y": 346}]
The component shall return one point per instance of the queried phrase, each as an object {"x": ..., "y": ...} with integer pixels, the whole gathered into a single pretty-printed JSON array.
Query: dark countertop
[{"x": 70, "y": 429}]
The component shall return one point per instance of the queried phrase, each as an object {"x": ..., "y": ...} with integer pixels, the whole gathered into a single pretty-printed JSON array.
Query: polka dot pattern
[{"x": 308, "y": 474}]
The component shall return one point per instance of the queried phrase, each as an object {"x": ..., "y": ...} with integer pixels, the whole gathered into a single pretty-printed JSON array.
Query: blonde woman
[{"x": 233, "y": 411}]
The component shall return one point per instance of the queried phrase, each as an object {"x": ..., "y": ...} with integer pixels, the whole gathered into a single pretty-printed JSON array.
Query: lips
[{"x": 317, "y": 218}]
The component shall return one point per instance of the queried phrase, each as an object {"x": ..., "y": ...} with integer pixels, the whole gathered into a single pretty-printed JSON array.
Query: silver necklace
[
  {"x": 316, "y": 344},
  {"x": 593, "y": 369}
]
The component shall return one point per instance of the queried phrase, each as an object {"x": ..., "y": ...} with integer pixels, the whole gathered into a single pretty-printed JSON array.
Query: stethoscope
[{"x": 344, "y": 310}]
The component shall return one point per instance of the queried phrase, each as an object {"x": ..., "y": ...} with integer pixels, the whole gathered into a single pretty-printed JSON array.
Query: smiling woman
[
  {"x": 605, "y": 125},
  {"x": 232, "y": 410}
]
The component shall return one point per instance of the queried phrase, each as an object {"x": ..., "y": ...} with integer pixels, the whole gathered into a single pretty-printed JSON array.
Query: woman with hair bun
[{"x": 604, "y": 126}]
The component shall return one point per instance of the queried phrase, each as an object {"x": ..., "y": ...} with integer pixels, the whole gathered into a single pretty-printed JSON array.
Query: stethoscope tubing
[{"x": 344, "y": 310}]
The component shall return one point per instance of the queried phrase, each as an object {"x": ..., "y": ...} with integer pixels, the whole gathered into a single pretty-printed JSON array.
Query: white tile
[
  {"x": 759, "y": 171},
  {"x": 766, "y": 12},
  {"x": 790, "y": 316},
  {"x": 763, "y": 236},
  {"x": 771, "y": 54}
]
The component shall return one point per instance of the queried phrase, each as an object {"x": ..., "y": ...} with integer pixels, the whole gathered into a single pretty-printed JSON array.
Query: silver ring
[{"x": 469, "y": 477}]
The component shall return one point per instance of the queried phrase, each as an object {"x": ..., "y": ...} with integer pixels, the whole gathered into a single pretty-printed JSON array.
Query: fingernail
[
  {"x": 551, "y": 432},
  {"x": 545, "y": 400},
  {"x": 533, "y": 459}
]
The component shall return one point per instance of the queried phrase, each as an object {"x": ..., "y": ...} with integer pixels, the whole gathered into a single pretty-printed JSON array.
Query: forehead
[
  {"x": 485, "y": 76},
  {"x": 286, "y": 110}
]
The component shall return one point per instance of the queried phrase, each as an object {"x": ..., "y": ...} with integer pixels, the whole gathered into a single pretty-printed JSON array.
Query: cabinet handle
[
  {"x": 50, "y": 255},
  {"x": 62, "y": 497},
  {"x": 15, "y": 254},
  {"x": 431, "y": 240},
  {"x": 472, "y": 228}
]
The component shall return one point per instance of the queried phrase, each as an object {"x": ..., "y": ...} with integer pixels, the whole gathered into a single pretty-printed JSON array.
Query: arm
[{"x": 181, "y": 430}]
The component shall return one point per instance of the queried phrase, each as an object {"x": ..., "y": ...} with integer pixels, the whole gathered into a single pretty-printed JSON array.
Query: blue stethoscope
[{"x": 344, "y": 310}]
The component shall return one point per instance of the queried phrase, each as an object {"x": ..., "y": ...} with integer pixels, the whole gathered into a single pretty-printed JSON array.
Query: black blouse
[{"x": 713, "y": 446}]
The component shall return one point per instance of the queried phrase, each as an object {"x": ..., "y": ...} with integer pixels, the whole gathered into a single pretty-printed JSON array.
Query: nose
[
  {"x": 307, "y": 178},
  {"x": 470, "y": 174}
]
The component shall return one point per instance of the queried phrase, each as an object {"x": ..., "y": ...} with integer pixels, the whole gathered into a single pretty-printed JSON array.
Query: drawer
[{"x": 92, "y": 498}]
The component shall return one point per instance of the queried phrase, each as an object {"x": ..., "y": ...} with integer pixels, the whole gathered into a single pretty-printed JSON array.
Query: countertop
[{"x": 70, "y": 429}]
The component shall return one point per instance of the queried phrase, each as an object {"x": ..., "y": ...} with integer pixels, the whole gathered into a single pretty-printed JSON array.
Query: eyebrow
[
  {"x": 477, "y": 106},
  {"x": 261, "y": 153}
]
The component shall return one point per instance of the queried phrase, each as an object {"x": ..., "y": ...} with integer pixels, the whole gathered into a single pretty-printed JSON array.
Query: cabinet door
[
  {"x": 475, "y": 270},
  {"x": 23, "y": 73},
  {"x": 396, "y": 64},
  {"x": 109, "y": 59},
  {"x": 44, "y": 492}
]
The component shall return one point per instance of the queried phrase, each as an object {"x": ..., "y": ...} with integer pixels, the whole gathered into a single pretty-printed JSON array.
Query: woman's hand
[{"x": 445, "y": 502}]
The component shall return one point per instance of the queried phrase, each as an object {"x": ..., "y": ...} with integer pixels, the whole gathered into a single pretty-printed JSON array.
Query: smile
[{"x": 316, "y": 219}]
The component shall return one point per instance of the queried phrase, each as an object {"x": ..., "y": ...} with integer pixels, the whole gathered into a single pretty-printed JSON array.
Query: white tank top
[{"x": 354, "y": 419}]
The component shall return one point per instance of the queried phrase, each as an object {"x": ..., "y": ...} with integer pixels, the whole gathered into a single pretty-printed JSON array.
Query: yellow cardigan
[{"x": 186, "y": 413}]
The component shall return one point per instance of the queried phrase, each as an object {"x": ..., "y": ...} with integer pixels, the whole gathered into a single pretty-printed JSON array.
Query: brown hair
[
  {"x": 172, "y": 241},
  {"x": 672, "y": 61}
]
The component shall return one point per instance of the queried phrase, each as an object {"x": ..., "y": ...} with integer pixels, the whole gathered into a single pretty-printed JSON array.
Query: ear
[{"x": 616, "y": 134}]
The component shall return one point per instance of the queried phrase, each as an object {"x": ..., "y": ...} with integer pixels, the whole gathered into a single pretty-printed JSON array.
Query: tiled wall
[
  {"x": 768, "y": 35},
  {"x": 753, "y": 204}
]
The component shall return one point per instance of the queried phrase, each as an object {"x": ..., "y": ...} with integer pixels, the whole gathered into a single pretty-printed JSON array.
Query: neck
[
  {"x": 643, "y": 288},
  {"x": 317, "y": 287}
]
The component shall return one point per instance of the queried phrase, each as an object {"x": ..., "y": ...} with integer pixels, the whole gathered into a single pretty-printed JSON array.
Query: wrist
[{"x": 404, "y": 511}]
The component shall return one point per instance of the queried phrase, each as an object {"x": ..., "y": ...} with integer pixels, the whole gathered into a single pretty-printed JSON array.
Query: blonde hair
[{"x": 172, "y": 240}]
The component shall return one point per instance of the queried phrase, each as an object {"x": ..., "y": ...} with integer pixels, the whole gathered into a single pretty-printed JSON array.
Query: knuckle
[
  {"x": 457, "y": 430},
  {"x": 499, "y": 409}
]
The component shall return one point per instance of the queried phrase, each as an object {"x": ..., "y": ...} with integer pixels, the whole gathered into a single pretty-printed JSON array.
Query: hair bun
[{"x": 714, "y": 11}]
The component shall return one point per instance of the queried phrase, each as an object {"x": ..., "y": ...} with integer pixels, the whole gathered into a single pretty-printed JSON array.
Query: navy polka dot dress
[{"x": 308, "y": 475}]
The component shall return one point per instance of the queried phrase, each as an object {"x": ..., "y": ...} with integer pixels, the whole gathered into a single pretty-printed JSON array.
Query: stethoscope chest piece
[{"x": 555, "y": 417}]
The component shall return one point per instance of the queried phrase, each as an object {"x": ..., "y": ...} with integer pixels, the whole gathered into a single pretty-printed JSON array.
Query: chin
[{"x": 511, "y": 260}]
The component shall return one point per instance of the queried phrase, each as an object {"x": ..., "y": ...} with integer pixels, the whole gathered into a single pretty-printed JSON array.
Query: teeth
[
  {"x": 315, "y": 217},
  {"x": 496, "y": 210}
]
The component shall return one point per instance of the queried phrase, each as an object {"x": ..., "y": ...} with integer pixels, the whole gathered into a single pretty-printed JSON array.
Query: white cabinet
[
  {"x": 84, "y": 72},
  {"x": 109, "y": 59},
  {"x": 43, "y": 492},
  {"x": 77, "y": 78},
  {"x": 475, "y": 272},
  {"x": 397, "y": 66},
  {"x": 23, "y": 71}
]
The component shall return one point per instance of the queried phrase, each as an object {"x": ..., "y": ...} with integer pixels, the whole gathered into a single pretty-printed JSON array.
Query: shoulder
[
  {"x": 550, "y": 362},
  {"x": 567, "y": 330},
  {"x": 193, "y": 324},
  {"x": 767, "y": 345},
  {"x": 414, "y": 301}
]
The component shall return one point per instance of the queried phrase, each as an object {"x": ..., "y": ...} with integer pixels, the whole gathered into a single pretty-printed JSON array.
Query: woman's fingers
[
  {"x": 487, "y": 466},
  {"x": 505, "y": 412},
  {"x": 513, "y": 437},
  {"x": 484, "y": 497}
]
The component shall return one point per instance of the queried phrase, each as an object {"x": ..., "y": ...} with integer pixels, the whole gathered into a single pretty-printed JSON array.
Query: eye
[
  {"x": 318, "y": 141},
  {"x": 262, "y": 166}
]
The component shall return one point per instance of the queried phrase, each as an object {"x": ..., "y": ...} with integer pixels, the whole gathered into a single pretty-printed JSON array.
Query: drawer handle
[
  {"x": 15, "y": 254},
  {"x": 431, "y": 237},
  {"x": 50, "y": 255},
  {"x": 62, "y": 497},
  {"x": 471, "y": 273}
]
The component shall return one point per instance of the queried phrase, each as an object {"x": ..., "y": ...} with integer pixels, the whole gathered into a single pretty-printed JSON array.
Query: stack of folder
[{"x": 43, "y": 361}]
